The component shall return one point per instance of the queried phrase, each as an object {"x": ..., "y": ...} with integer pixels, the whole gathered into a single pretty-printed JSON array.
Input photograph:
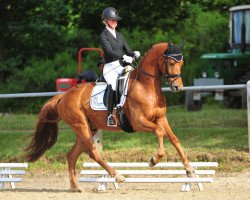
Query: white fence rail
[
  {"x": 141, "y": 173},
  {"x": 8, "y": 170},
  {"x": 164, "y": 89},
  {"x": 24, "y": 95},
  {"x": 194, "y": 88}
]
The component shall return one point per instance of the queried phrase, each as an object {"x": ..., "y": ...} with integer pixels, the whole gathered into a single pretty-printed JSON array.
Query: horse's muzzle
[{"x": 176, "y": 88}]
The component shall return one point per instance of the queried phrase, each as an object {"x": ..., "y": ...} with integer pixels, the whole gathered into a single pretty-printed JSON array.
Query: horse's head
[
  {"x": 164, "y": 60},
  {"x": 170, "y": 65}
]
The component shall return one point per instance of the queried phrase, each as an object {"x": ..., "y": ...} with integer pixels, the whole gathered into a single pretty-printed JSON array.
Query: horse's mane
[
  {"x": 159, "y": 46},
  {"x": 156, "y": 47}
]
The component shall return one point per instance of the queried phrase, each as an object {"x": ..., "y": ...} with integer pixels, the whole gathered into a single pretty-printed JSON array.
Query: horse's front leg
[
  {"x": 176, "y": 143},
  {"x": 160, "y": 134},
  {"x": 146, "y": 125}
]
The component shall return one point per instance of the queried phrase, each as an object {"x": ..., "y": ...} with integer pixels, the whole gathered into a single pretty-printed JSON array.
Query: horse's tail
[{"x": 45, "y": 135}]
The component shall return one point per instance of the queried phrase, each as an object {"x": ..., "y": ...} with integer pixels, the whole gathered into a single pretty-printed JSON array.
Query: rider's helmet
[{"x": 110, "y": 13}]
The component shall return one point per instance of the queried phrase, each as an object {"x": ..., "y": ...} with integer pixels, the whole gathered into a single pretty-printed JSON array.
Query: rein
[{"x": 150, "y": 75}]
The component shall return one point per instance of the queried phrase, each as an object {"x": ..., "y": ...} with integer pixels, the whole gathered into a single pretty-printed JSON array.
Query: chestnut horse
[{"x": 145, "y": 108}]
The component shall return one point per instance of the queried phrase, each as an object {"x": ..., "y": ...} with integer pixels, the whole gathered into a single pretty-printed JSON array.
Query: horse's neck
[
  {"x": 151, "y": 84},
  {"x": 148, "y": 70},
  {"x": 150, "y": 78},
  {"x": 149, "y": 74}
]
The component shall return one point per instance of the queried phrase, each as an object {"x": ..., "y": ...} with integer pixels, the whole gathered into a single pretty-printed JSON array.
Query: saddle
[{"x": 99, "y": 96}]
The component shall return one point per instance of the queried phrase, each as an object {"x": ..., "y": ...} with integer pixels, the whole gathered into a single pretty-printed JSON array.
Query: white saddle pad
[{"x": 96, "y": 101}]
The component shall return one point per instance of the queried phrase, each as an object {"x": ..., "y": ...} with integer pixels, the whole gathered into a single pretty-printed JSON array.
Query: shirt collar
[{"x": 112, "y": 31}]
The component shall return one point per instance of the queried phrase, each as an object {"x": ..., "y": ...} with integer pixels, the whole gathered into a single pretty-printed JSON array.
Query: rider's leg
[
  {"x": 110, "y": 106},
  {"x": 110, "y": 73}
]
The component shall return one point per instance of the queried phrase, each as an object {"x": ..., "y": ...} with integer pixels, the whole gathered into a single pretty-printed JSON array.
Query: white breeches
[{"x": 111, "y": 71}]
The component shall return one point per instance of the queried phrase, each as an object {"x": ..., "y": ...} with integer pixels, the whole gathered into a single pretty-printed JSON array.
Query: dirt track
[{"x": 55, "y": 186}]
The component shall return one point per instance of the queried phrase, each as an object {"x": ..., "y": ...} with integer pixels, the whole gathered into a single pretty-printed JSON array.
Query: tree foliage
[{"x": 40, "y": 39}]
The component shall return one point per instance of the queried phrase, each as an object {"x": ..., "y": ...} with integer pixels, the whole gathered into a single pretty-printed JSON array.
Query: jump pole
[{"x": 248, "y": 113}]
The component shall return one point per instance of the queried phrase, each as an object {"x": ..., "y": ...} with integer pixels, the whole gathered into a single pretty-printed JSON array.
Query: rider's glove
[
  {"x": 127, "y": 59},
  {"x": 136, "y": 54}
]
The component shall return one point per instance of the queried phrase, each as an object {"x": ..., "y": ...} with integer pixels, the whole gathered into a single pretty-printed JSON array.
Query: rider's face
[{"x": 112, "y": 23}]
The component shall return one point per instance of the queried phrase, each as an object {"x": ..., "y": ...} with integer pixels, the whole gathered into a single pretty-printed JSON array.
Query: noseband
[{"x": 169, "y": 76}]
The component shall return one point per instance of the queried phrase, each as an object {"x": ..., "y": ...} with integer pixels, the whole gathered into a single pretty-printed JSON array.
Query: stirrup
[{"x": 111, "y": 120}]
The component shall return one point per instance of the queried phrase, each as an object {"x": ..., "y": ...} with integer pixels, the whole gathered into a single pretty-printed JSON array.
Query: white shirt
[{"x": 112, "y": 31}]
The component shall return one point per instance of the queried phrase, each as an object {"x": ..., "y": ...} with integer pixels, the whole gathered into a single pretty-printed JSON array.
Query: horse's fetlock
[
  {"x": 161, "y": 154},
  {"x": 191, "y": 174},
  {"x": 119, "y": 178}
]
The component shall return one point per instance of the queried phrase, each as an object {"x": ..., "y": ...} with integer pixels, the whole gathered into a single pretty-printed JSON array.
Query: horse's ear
[
  {"x": 170, "y": 46},
  {"x": 180, "y": 46}
]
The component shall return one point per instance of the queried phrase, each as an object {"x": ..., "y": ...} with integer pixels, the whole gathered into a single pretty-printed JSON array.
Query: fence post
[{"x": 248, "y": 113}]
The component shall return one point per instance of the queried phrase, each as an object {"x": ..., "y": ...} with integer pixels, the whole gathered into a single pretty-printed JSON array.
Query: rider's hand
[
  {"x": 127, "y": 59},
  {"x": 136, "y": 54}
]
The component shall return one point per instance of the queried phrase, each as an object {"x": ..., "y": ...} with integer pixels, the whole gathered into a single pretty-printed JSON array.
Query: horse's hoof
[
  {"x": 190, "y": 174},
  {"x": 119, "y": 178},
  {"x": 76, "y": 190},
  {"x": 151, "y": 162}
]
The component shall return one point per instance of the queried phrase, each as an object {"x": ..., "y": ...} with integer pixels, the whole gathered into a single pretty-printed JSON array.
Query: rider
[{"x": 116, "y": 54}]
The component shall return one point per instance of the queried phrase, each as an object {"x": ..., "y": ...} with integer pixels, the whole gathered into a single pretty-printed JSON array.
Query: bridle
[{"x": 167, "y": 75}]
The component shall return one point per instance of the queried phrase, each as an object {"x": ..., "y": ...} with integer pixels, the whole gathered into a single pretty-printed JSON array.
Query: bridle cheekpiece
[{"x": 174, "y": 53}]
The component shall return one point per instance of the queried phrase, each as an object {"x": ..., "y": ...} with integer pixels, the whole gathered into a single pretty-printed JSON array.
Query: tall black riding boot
[{"x": 110, "y": 106}]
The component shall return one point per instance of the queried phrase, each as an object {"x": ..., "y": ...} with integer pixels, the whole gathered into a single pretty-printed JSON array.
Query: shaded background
[{"x": 40, "y": 39}]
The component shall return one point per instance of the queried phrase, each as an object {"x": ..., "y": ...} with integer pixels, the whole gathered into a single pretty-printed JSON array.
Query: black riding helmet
[{"x": 110, "y": 13}]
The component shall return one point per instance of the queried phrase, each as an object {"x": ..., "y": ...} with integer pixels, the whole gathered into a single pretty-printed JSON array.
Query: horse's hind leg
[
  {"x": 95, "y": 155},
  {"x": 85, "y": 142},
  {"x": 72, "y": 157}
]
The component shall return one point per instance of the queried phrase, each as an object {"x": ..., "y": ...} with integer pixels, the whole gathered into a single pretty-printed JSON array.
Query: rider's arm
[
  {"x": 108, "y": 49},
  {"x": 126, "y": 48}
]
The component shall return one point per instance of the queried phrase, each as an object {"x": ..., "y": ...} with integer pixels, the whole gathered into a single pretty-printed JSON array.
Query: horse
[{"x": 145, "y": 108}]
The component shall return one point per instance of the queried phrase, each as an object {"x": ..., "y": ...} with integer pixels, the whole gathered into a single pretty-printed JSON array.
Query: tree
[{"x": 39, "y": 34}]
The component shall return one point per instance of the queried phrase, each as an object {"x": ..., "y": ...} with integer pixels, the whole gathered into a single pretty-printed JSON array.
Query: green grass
[
  {"x": 213, "y": 134},
  {"x": 213, "y": 127}
]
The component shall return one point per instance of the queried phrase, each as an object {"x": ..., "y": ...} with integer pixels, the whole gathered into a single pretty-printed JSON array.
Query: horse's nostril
[{"x": 174, "y": 88}]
